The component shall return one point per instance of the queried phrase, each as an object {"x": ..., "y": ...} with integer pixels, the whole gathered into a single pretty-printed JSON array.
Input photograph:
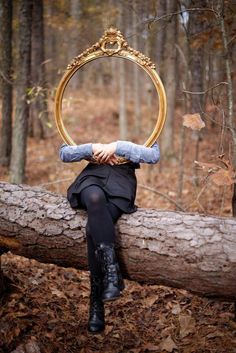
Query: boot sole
[
  {"x": 104, "y": 300},
  {"x": 93, "y": 329},
  {"x": 96, "y": 332}
]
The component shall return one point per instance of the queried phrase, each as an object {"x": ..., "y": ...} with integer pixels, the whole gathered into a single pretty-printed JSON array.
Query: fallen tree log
[{"x": 177, "y": 249}]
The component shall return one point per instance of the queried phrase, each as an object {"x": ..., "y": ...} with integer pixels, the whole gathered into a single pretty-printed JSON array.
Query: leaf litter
[{"x": 50, "y": 315}]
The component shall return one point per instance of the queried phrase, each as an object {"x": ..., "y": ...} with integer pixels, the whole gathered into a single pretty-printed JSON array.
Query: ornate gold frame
[{"x": 118, "y": 47}]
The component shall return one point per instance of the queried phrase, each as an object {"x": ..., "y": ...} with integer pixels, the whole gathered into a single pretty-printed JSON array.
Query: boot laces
[
  {"x": 111, "y": 274},
  {"x": 96, "y": 304}
]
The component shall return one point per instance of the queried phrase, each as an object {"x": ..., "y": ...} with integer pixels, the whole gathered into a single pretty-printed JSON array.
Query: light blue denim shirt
[{"x": 131, "y": 151}]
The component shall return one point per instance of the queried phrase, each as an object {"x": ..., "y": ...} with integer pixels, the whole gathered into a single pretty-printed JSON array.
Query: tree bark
[
  {"x": 136, "y": 78},
  {"x": 167, "y": 145},
  {"x": 122, "y": 90},
  {"x": 51, "y": 50},
  {"x": 75, "y": 14},
  {"x": 177, "y": 249},
  {"x": 19, "y": 140},
  {"x": 38, "y": 108},
  {"x": 160, "y": 37},
  {"x": 230, "y": 95},
  {"x": 196, "y": 28},
  {"x": 5, "y": 77}
]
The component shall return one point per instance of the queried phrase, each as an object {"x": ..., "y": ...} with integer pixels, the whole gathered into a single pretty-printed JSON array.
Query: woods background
[{"x": 192, "y": 44}]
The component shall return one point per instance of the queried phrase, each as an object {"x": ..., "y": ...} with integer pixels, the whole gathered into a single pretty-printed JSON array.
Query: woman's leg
[
  {"x": 94, "y": 200},
  {"x": 100, "y": 227},
  {"x": 101, "y": 214},
  {"x": 93, "y": 263}
]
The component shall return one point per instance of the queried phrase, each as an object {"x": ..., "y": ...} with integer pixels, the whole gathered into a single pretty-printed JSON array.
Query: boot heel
[{"x": 121, "y": 285}]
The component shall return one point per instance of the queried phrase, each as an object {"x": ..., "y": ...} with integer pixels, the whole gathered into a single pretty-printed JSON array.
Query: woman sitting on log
[{"x": 106, "y": 190}]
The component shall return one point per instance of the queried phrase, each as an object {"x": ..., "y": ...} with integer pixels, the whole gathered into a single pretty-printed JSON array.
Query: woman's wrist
[
  {"x": 113, "y": 147},
  {"x": 96, "y": 147},
  {"x": 104, "y": 152}
]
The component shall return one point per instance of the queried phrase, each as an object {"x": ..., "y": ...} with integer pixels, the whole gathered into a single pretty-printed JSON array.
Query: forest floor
[{"x": 47, "y": 306}]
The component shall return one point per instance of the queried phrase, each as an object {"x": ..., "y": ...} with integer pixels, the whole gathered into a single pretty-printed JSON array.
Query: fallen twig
[{"x": 163, "y": 195}]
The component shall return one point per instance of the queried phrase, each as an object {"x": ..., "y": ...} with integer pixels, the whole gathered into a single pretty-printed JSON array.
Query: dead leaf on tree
[
  {"x": 193, "y": 121},
  {"x": 209, "y": 167},
  {"x": 223, "y": 177},
  {"x": 219, "y": 175}
]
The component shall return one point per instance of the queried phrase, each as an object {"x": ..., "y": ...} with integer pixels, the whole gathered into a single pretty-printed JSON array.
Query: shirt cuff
[
  {"x": 123, "y": 148},
  {"x": 88, "y": 149}
]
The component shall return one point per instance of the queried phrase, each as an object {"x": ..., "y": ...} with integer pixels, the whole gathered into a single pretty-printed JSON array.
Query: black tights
[{"x": 102, "y": 215}]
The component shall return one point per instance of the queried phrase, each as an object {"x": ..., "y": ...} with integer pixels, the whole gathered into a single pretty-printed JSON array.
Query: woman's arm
[
  {"x": 138, "y": 153},
  {"x": 75, "y": 153},
  {"x": 129, "y": 150},
  {"x": 105, "y": 152}
]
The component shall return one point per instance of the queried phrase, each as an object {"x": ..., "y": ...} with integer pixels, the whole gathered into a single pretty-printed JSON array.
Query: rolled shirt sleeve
[
  {"x": 138, "y": 153},
  {"x": 69, "y": 153}
]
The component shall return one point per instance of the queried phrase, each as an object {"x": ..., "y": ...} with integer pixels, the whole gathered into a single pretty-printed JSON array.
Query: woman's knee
[{"x": 94, "y": 197}]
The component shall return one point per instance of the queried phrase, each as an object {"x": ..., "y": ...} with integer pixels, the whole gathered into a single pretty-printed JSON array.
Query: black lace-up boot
[
  {"x": 113, "y": 282},
  {"x": 96, "y": 322}
]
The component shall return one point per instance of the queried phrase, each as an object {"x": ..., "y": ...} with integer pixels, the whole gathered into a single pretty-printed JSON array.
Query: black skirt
[{"x": 118, "y": 182}]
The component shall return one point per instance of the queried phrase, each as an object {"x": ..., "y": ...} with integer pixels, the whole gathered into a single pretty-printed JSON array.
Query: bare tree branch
[
  {"x": 155, "y": 19},
  {"x": 207, "y": 90},
  {"x": 179, "y": 207},
  {"x": 5, "y": 78}
]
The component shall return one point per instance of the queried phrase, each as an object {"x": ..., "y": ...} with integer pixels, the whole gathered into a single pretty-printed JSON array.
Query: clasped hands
[{"x": 105, "y": 153}]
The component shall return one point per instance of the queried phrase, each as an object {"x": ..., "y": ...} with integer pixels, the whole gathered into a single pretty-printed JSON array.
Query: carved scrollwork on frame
[
  {"x": 111, "y": 37},
  {"x": 112, "y": 43}
]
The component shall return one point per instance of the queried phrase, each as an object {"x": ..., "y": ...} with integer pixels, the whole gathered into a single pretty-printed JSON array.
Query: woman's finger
[{"x": 97, "y": 153}]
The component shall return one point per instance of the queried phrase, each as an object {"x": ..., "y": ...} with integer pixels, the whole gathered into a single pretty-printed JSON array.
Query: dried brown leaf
[
  {"x": 149, "y": 301},
  {"x": 150, "y": 347},
  {"x": 108, "y": 329},
  {"x": 214, "y": 334},
  {"x": 58, "y": 293},
  {"x": 187, "y": 325},
  {"x": 193, "y": 121},
  {"x": 207, "y": 166},
  {"x": 176, "y": 309},
  {"x": 220, "y": 176},
  {"x": 168, "y": 345},
  {"x": 19, "y": 349},
  {"x": 223, "y": 177}
]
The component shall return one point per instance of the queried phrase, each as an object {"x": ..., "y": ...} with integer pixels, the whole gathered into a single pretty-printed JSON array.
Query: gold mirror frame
[{"x": 112, "y": 43}]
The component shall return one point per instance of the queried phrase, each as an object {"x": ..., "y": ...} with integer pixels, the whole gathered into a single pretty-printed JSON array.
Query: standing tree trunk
[
  {"x": 51, "y": 51},
  {"x": 160, "y": 36},
  {"x": 75, "y": 13},
  {"x": 230, "y": 95},
  {"x": 136, "y": 87},
  {"x": 170, "y": 79},
  {"x": 122, "y": 107},
  {"x": 19, "y": 141},
  {"x": 38, "y": 108},
  {"x": 182, "y": 62},
  {"x": 5, "y": 77},
  {"x": 196, "y": 64}
]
